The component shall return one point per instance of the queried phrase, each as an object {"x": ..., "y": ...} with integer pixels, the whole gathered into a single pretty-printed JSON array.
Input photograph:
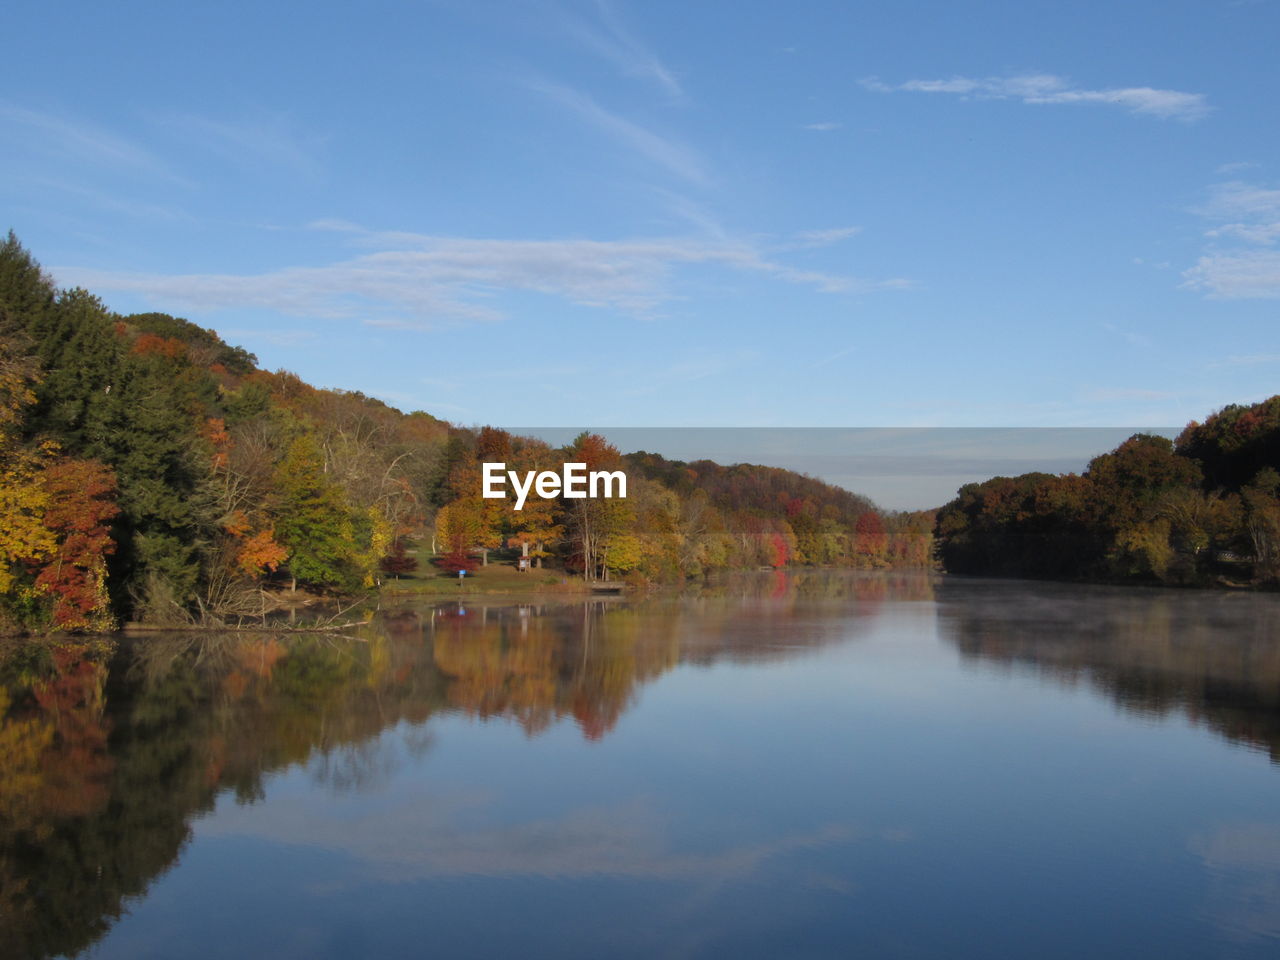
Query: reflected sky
[{"x": 812, "y": 764}]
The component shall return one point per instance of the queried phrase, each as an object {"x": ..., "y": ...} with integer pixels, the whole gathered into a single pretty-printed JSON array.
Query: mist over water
[{"x": 811, "y": 763}]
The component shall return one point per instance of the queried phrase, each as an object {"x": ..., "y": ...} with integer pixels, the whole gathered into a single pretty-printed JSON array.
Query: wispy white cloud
[
  {"x": 1112, "y": 394},
  {"x": 824, "y": 238},
  {"x": 1241, "y": 263},
  {"x": 80, "y": 140},
  {"x": 1247, "y": 360},
  {"x": 672, "y": 155},
  {"x": 251, "y": 142},
  {"x": 1251, "y": 213},
  {"x": 609, "y": 37},
  {"x": 1243, "y": 275},
  {"x": 1259, "y": 233},
  {"x": 690, "y": 211},
  {"x": 1043, "y": 88},
  {"x": 115, "y": 202},
  {"x": 824, "y": 127},
  {"x": 418, "y": 281}
]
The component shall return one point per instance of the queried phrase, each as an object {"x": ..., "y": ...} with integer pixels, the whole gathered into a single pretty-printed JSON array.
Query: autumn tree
[
  {"x": 80, "y": 509},
  {"x": 1234, "y": 444},
  {"x": 25, "y": 538},
  {"x": 593, "y": 521},
  {"x": 312, "y": 520},
  {"x": 538, "y": 525},
  {"x": 470, "y": 521},
  {"x": 462, "y": 527},
  {"x": 397, "y": 562},
  {"x": 1262, "y": 518},
  {"x": 871, "y": 541}
]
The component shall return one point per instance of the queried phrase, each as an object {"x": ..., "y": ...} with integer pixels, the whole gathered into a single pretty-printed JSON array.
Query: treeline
[
  {"x": 677, "y": 521},
  {"x": 150, "y": 471},
  {"x": 1204, "y": 508},
  {"x": 792, "y": 518}
]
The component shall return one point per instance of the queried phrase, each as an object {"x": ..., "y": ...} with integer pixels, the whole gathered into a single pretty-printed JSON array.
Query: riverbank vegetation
[
  {"x": 1203, "y": 509},
  {"x": 151, "y": 472}
]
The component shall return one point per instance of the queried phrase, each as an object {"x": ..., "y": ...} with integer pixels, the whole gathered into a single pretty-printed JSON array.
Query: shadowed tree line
[{"x": 1202, "y": 509}]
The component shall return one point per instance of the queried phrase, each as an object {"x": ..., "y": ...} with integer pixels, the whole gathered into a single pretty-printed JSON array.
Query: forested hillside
[
  {"x": 150, "y": 471},
  {"x": 1202, "y": 509}
]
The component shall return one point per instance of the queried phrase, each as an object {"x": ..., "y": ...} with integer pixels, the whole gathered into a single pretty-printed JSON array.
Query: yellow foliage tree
[{"x": 24, "y": 537}]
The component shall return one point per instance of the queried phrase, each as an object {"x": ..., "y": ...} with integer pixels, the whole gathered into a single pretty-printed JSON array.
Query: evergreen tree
[{"x": 312, "y": 520}]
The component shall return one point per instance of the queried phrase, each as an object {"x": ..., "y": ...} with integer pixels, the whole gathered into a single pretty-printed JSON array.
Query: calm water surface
[{"x": 781, "y": 765}]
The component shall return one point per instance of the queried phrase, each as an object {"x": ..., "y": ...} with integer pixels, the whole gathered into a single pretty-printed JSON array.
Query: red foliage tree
[
  {"x": 779, "y": 551},
  {"x": 457, "y": 560},
  {"x": 149, "y": 343},
  {"x": 870, "y": 538},
  {"x": 398, "y": 562},
  {"x": 81, "y": 507}
]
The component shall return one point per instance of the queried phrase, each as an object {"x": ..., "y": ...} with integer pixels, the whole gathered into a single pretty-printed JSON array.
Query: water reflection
[
  {"x": 1213, "y": 657},
  {"x": 814, "y": 757},
  {"x": 109, "y": 749}
]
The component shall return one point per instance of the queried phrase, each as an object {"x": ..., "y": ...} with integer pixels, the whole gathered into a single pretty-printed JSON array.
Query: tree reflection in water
[
  {"x": 1210, "y": 656},
  {"x": 110, "y": 748}
]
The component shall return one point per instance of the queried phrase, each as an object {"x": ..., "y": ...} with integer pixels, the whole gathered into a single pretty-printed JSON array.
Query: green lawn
[{"x": 499, "y": 577}]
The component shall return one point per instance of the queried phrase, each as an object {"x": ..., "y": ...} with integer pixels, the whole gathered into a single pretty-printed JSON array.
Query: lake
[{"x": 793, "y": 764}]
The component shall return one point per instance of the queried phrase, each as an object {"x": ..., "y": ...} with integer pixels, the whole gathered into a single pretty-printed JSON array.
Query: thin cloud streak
[
  {"x": 84, "y": 141},
  {"x": 832, "y": 357},
  {"x": 612, "y": 41},
  {"x": 675, "y": 157},
  {"x": 1112, "y": 394},
  {"x": 1043, "y": 88},
  {"x": 1247, "y": 360},
  {"x": 417, "y": 281},
  {"x": 692, "y": 212},
  {"x": 112, "y": 202},
  {"x": 250, "y": 143},
  {"x": 825, "y": 238}
]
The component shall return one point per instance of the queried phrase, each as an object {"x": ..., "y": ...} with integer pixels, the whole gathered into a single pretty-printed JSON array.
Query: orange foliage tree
[{"x": 81, "y": 506}]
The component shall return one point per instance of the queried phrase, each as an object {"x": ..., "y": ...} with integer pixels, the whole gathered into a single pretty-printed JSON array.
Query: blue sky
[{"x": 676, "y": 213}]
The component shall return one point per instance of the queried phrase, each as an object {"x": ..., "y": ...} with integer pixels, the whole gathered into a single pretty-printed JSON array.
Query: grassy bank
[{"x": 499, "y": 577}]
